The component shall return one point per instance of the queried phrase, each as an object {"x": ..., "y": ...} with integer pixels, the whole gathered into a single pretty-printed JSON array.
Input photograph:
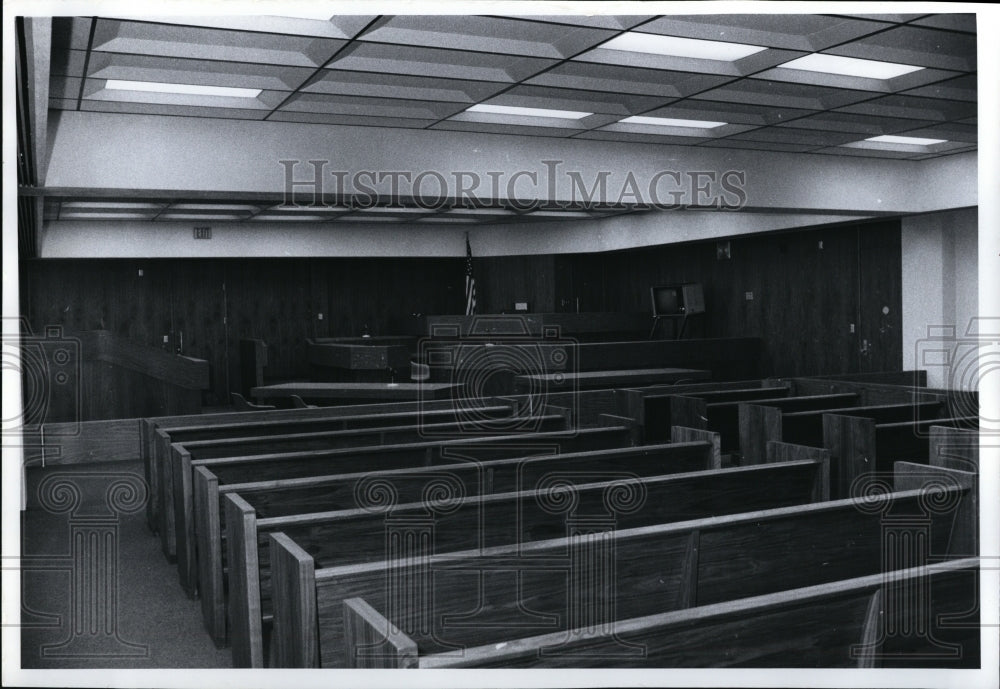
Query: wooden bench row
[
  {"x": 482, "y": 596},
  {"x": 417, "y": 452},
  {"x": 635, "y": 487},
  {"x": 854, "y": 623}
]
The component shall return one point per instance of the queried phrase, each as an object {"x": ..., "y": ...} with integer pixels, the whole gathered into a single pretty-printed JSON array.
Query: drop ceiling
[{"x": 426, "y": 72}]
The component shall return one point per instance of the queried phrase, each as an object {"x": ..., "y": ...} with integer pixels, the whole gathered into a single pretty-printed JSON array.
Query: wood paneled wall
[
  {"x": 212, "y": 304},
  {"x": 804, "y": 297}
]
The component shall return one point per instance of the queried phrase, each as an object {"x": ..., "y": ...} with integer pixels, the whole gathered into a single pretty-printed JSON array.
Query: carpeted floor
[{"x": 133, "y": 615}]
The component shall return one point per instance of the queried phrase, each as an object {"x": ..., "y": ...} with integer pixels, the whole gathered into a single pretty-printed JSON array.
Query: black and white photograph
[{"x": 500, "y": 344}]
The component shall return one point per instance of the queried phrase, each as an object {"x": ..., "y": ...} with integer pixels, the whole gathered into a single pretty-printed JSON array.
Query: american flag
[{"x": 470, "y": 280}]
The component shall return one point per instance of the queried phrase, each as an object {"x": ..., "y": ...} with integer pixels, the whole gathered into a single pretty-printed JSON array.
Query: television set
[
  {"x": 674, "y": 300},
  {"x": 667, "y": 301}
]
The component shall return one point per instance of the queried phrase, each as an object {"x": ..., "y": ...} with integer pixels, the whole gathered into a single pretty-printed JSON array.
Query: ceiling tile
[
  {"x": 894, "y": 18},
  {"x": 783, "y": 95},
  {"x": 952, "y": 22},
  {"x": 950, "y": 131},
  {"x": 401, "y": 86},
  {"x": 619, "y": 79},
  {"x": 161, "y": 109},
  {"x": 67, "y": 62},
  {"x": 962, "y": 88},
  {"x": 64, "y": 87},
  {"x": 758, "y": 145},
  {"x": 914, "y": 45},
  {"x": 569, "y": 99},
  {"x": 342, "y": 26},
  {"x": 488, "y": 128},
  {"x": 789, "y": 135},
  {"x": 170, "y": 40},
  {"x": 587, "y": 122},
  {"x": 863, "y": 153},
  {"x": 748, "y": 65},
  {"x": 808, "y": 32},
  {"x": 348, "y": 120},
  {"x": 676, "y": 132},
  {"x": 173, "y": 70},
  {"x": 486, "y": 34},
  {"x": 597, "y": 21},
  {"x": 901, "y": 105},
  {"x": 735, "y": 113},
  {"x": 95, "y": 90},
  {"x": 638, "y": 138},
  {"x": 377, "y": 107},
  {"x": 70, "y": 33},
  {"x": 433, "y": 62},
  {"x": 856, "y": 124},
  {"x": 62, "y": 103}
]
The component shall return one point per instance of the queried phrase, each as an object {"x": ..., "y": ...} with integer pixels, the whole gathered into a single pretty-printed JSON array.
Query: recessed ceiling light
[
  {"x": 111, "y": 205},
  {"x": 200, "y": 216},
  {"x": 673, "y": 46},
  {"x": 850, "y": 66},
  {"x": 529, "y": 112},
  {"x": 907, "y": 140},
  {"x": 276, "y": 217},
  {"x": 187, "y": 89},
  {"x": 212, "y": 207},
  {"x": 81, "y": 215},
  {"x": 671, "y": 122}
]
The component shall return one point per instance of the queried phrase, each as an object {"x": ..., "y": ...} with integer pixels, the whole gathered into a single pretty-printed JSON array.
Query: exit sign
[{"x": 203, "y": 233}]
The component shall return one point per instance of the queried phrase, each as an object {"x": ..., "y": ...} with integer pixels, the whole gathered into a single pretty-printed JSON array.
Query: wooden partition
[
  {"x": 853, "y": 623},
  {"x": 252, "y": 510},
  {"x": 703, "y": 562},
  {"x": 637, "y": 505},
  {"x": 96, "y": 375},
  {"x": 578, "y": 326}
]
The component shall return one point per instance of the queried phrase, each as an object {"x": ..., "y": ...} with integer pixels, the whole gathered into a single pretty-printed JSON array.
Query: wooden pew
[
  {"x": 646, "y": 502},
  {"x": 148, "y": 427},
  {"x": 291, "y": 452},
  {"x": 587, "y": 405},
  {"x": 859, "y": 445},
  {"x": 724, "y": 417},
  {"x": 653, "y": 408},
  {"x": 173, "y": 454},
  {"x": 700, "y": 562},
  {"x": 166, "y": 435},
  {"x": 760, "y": 424},
  {"x": 839, "y": 624},
  {"x": 260, "y": 507},
  {"x": 954, "y": 448}
]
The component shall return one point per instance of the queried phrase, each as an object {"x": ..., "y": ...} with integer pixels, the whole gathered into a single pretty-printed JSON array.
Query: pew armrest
[
  {"x": 295, "y": 636},
  {"x": 790, "y": 452},
  {"x": 682, "y": 434},
  {"x": 611, "y": 420},
  {"x": 372, "y": 641}
]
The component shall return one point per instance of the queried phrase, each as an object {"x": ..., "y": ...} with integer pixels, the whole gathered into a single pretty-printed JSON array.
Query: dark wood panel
[{"x": 805, "y": 298}]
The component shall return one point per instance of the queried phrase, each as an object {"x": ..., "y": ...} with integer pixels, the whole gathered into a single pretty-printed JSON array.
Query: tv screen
[{"x": 667, "y": 301}]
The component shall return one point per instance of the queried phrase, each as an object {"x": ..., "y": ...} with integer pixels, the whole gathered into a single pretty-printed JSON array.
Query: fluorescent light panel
[
  {"x": 673, "y": 46},
  {"x": 186, "y": 89},
  {"x": 529, "y": 112},
  {"x": 906, "y": 140},
  {"x": 850, "y": 66},
  {"x": 671, "y": 122}
]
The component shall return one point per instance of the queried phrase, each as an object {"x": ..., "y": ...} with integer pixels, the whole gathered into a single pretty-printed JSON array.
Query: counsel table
[
  {"x": 345, "y": 393},
  {"x": 588, "y": 380}
]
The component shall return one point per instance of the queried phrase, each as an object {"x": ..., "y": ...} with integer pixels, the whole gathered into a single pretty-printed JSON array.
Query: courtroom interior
[{"x": 487, "y": 341}]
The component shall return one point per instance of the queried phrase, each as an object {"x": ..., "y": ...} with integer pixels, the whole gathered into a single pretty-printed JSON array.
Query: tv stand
[{"x": 673, "y": 318}]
